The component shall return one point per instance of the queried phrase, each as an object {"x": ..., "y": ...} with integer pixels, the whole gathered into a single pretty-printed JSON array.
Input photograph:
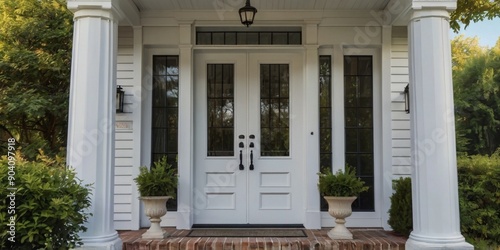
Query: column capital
[
  {"x": 448, "y": 5},
  {"x": 103, "y": 9},
  {"x": 430, "y": 8}
]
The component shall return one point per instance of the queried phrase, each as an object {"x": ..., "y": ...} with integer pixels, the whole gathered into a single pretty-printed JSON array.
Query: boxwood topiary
[
  {"x": 400, "y": 212},
  {"x": 49, "y": 205}
]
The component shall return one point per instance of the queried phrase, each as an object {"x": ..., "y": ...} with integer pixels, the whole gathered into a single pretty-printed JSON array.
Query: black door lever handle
[
  {"x": 241, "y": 160},
  {"x": 251, "y": 160}
]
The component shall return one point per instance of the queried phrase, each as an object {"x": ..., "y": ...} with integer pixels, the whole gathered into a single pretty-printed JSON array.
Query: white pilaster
[
  {"x": 186, "y": 128},
  {"x": 386, "y": 137},
  {"x": 436, "y": 220},
  {"x": 338, "y": 123},
  {"x": 137, "y": 123},
  {"x": 311, "y": 166},
  {"x": 91, "y": 143}
]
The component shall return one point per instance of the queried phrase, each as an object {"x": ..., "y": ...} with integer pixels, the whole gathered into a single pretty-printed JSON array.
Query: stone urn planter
[
  {"x": 155, "y": 207},
  {"x": 340, "y": 208},
  {"x": 340, "y": 190},
  {"x": 156, "y": 186}
]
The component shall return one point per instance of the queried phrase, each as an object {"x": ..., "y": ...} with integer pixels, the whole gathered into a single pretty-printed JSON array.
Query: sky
[{"x": 488, "y": 31}]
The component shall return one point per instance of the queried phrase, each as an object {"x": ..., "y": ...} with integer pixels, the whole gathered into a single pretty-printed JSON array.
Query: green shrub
[
  {"x": 479, "y": 190},
  {"x": 161, "y": 180},
  {"x": 400, "y": 213},
  {"x": 50, "y": 205},
  {"x": 479, "y": 197},
  {"x": 341, "y": 184}
]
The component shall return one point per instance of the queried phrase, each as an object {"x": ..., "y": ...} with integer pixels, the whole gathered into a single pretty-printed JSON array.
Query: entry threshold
[{"x": 235, "y": 226}]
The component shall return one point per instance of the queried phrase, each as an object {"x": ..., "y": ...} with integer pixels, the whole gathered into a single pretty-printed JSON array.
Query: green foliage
[
  {"x": 479, "y": 198},
  {"x": 161, "y": 180},
  {"x": 50, "y": 204},
  {"x": 35, "y": 63},
  {"x": 479, "y": 190},
  {"x": 473, "y": 11},
  {"x": 476, "y": 79},
  {"x": 400, "y": 213},
  {"x": 342, "y": 184}
]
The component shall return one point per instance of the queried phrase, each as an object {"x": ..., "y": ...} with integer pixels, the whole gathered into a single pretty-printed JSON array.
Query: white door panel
[{"x": 265, "y": 186}]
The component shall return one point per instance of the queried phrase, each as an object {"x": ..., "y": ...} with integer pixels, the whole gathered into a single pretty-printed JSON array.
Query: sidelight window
[{"x": 358, "y": 111}]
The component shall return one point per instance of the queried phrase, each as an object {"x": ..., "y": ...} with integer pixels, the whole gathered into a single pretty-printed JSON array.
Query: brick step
[{"x": 364, "y": 239}]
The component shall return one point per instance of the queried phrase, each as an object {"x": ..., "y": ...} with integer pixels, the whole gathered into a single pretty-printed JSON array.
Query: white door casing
[{"x": 272, "y": 192}]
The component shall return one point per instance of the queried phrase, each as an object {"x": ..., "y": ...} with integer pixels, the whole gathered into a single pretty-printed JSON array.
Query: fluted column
[
  {"x": 436, "y": 218},
  {"x": 91, "y": 143}
]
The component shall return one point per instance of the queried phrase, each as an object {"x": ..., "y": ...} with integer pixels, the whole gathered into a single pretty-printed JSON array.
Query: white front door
[{"x": 248, "y": 133}]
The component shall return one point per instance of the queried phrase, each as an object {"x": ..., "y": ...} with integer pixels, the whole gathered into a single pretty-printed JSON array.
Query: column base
[
  {"x": 107, "y": 242},
  {"x": 418, "y": 242}
]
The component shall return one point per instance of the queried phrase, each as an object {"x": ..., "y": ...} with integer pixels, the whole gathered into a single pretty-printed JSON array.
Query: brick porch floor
[{"x": 364, "y": 239}]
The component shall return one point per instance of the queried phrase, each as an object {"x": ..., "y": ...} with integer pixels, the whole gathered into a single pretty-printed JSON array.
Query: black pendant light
[{"x": 247, "y": 14}]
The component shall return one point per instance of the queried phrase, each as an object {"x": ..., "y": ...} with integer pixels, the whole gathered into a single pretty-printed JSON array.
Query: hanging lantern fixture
[
  {"x": 407, "y": 98},
  {"x": 247, "y": 14},
  {"x": 120, "y": 94}
]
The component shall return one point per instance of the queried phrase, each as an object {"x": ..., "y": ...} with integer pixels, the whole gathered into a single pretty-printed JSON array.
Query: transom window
[{"x": 268, "y": 36}]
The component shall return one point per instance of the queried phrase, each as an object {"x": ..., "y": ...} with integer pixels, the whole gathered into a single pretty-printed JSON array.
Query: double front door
[{"x": 248, "y": 132}]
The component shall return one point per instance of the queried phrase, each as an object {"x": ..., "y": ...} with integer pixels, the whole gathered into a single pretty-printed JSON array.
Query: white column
[
  {"x": 186, "y": 125},
  {"x": 91, "y": 143},
  {"x": 436, "y": 220}
]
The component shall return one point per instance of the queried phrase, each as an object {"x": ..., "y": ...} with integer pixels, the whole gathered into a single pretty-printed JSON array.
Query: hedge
[
  {"x": 479, "y": 191},
  {"x": 479, "y": 198}
]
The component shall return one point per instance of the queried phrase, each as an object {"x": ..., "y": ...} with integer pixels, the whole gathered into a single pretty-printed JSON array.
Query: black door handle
[
  {"x": 251, "y": 160},
  {"x": 241, "y": 160}
]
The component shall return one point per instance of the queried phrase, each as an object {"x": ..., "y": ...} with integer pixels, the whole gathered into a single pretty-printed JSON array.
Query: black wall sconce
[
  {"x": 407, "y": 98},
  {"x": 247, "y": 14},
  {"x": 120, "y": 94}
]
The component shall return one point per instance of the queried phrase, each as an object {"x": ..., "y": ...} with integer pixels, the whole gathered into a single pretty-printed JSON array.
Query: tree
[
  {"x": 35, "y": 63},
  {"x": 462, "y": 49},
  {"x": 477, "y": 98},
  {"x": 473, "y": 10}
]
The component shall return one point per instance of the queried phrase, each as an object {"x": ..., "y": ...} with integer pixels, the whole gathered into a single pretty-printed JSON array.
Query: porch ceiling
[{"x": 261, "y": 5}]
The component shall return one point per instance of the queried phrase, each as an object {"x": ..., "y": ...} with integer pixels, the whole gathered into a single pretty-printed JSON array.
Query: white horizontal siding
[
  {"x": 124, "y": 142},
  {"x": 400, "y": 119}
]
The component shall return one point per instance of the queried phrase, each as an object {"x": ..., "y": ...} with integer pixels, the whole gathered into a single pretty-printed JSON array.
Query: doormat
[{"x": 247, "y": 233}]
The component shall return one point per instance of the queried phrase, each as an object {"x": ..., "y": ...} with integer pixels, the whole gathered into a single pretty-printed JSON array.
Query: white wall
[
  {"x": 124, "y": 139},
  {"x": 400, "y": 120}
]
